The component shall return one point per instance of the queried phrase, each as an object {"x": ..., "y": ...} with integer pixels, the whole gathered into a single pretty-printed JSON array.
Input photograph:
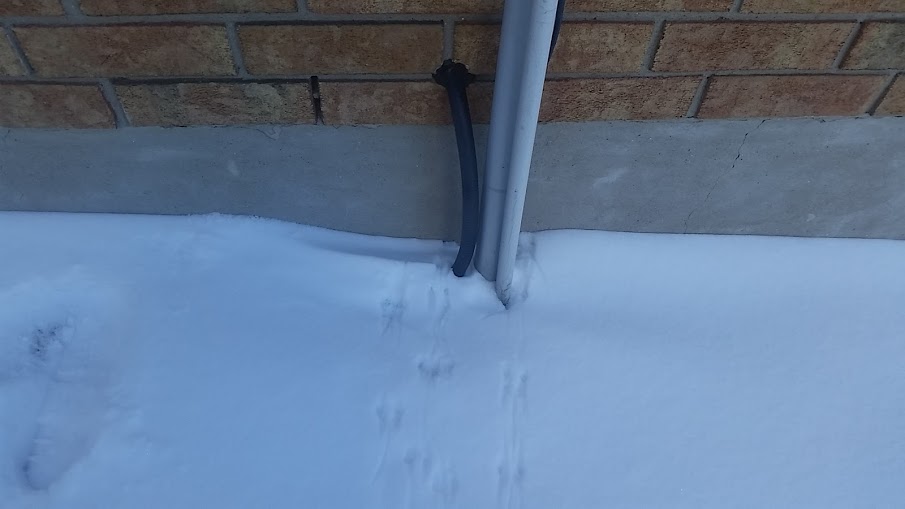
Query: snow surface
[{"x": 237, "y": 363}]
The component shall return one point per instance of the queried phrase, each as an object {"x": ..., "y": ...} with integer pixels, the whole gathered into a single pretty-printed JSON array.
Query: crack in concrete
[{"x": 716, "y": 182}]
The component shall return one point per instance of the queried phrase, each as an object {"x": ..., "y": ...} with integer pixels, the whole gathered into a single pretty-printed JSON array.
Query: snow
[{"x": 234, "y": 363}]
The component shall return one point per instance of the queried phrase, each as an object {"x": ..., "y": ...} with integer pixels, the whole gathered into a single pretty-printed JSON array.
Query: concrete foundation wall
[{"x": 803, "y": 177}]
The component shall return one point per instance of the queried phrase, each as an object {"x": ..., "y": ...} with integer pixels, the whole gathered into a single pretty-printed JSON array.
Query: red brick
[
  {"x": 879, "y": 46},
  {"x": 617, "y": 99},
  {"x": 756, "y": 45},
  {"x": 127, "y": 50},
  {"x": 9, "y": 63},
  {"x": 217, "y": 103},
  {"x": 823, "y": 6},
  {"x": 789, "y": 96},
  {"x": 894, "y": 102},
  {"x": 342, "y": 49},
  {"x": 30, "y": 8},
  {"x": 138, "y": 7},
  {"x": 60, "y": 106},
  {"x": 405, "y": 6},
  {"x": 582, "y": 47},
  {"x": 648, "y": 5}
]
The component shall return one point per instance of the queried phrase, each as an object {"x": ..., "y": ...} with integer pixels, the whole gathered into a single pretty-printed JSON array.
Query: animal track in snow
[
  {"x": 391, "y": 312},
  {"x": 445, "y": 485},
  {"x": 389, "y": 417},
  {"x": 436, "y": 365},
  {"x": 35, "y": 351},
  {"x": 434, "y": 368},
  {"x": 430, "y": 483},
  {"x": 60, "y": 346},
  {"x": 441, "y": 311},
  {"x": 389, "y": 422},
  {"x": 511, "y": 470},
  {"x": 526, "y": 265},
  {"x": 71, "y": 417},
  {"x": 392, "y": 308},
  {"x": 47, "y": 340}
]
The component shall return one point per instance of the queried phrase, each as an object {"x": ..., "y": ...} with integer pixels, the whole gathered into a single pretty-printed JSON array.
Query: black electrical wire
[
  {"x": 456, "y": 78},
  {"x": 557, "y": 26}
]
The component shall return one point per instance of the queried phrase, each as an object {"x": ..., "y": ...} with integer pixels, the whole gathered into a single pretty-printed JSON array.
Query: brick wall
[{"x": 107, "y": 63}]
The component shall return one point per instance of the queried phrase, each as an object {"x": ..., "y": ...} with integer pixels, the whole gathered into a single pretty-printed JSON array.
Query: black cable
[
  {"x": 456, "y": 78},
  {"x": 557, "y": 26}
]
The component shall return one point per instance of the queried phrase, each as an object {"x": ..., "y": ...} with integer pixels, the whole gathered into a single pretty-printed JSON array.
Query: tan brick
[
  {"x": 880, "y": 46},
  {"x": 419, "y": 102},
  {"x": 217, "y": 103},
  {"x": 617, "y": 99},
  {"x": 648, "y": 5},
  {"x": 138, "y": 7},
  {"x": 480, "y": 101},
  {"x": 582, "y": 47},
  {"x": 757, "y": 45},
  {"x": 566, "y": 100},
  {"x": 9, "y": 64},
  {"x": 496, "y": 6},
  {"x": 128, "y": 50},
  {"x": 62, "y": 106},
  {"x": 894, "y": 102},
  {"x": 821, "y": 6},
  {"x": 477, "y": 46},
  {"x": 788, "y": 96},
  {"x": 342, "y": 49},
  {"x": 406, "y": 6},
  {"x": 30, "y": 8},
  {"x": 601, "y": 47}
]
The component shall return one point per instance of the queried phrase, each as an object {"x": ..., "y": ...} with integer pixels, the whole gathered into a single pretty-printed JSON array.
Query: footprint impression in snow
[{"x": 63, "y": 351}]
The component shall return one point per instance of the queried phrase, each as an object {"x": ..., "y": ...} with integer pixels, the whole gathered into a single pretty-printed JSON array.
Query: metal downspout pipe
[{"x": 525, "y": 43}]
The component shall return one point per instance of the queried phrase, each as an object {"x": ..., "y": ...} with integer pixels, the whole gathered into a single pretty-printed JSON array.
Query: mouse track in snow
[
  {"x": 392, "y": 308},
  {"x": 511, "y": 469},
  {"x": 389, "y": 422}
]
